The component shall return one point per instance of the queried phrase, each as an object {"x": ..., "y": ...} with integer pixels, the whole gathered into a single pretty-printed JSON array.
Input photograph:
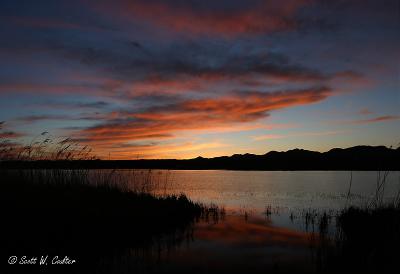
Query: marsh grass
[
  {"x": 45, "y": 147},
  {"x": 366, "y": 238},
  {"x": 61, "y": 207},
  {"x": 73, "y": 206}
]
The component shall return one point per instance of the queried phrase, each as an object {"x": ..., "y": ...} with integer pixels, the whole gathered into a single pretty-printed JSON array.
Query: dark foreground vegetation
[
  {"x": 354, "y": 158},
  {"x": 366, "y": 239},
  {"x": 64, "y": 207},
  {"x": 86, "y": 215}
]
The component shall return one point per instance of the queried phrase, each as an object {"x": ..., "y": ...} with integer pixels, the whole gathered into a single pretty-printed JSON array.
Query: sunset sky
[{"x": 187, "y": 78}]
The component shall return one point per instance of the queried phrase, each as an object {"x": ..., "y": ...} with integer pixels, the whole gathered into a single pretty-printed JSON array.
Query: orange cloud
[
  {"x": 197, "y": 114},
  {"x": 268, "y": 137},
  {"x": 127, "y": 151}
]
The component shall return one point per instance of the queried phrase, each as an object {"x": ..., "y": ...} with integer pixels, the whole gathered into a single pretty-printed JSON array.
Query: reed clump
[
  {"x": 366, "y": 238},
  {"x": 64, "y": 206}
]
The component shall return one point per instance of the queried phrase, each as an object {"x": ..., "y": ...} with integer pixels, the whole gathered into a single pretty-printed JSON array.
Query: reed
[
  {"x": 69, "y": 206},
  {"x": 366, "y": 238}
]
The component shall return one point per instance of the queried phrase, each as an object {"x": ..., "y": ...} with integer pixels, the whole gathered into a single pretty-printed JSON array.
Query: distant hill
[{"x": 353, "y": 158}]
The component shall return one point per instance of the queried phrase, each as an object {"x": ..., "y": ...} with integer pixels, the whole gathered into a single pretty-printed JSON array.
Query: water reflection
[
  {"x": 232, "y": 244},
  {"x": 253, "y": 232}
]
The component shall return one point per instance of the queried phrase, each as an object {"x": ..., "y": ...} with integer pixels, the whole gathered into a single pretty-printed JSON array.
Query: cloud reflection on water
[{"x": 236, "y": 244}]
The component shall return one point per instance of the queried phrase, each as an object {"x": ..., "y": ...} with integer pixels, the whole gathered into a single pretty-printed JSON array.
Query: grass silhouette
[
  {"x": 74, "y": 206},
  {"x": 366, "y": 238},
  {"x": 61, "y": 207}
]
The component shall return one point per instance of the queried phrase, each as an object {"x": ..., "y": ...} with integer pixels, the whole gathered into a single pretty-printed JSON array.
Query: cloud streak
[
  {"x": 376, "y": 119},
  {"x": 241, "y": 17},
  {"x": 197, "y": 114}
]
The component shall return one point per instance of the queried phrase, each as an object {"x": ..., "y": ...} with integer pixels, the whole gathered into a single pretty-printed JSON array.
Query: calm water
[
  {"x": 253, "y": 191},
  {"x": 247, "y": 240}
]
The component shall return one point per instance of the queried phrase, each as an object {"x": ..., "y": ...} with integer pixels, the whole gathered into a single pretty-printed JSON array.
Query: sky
[{"x": 186, "y": 78}]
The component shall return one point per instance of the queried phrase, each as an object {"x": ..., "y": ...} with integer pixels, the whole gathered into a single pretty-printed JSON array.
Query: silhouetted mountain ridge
[{"x": 352, "y": 158}]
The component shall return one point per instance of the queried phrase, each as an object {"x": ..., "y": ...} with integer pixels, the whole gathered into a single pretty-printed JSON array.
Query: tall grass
[
  {"x": 366, "y": 238},
  {"x": 70, "y": 206},
  {"x": 45, "y": 147},
  {"x": 358, "y": 238}
]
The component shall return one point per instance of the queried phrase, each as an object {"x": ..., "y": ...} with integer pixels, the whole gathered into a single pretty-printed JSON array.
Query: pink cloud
[
  {"x": 376, "y": 119},
  {"x": 267, "y": 17}
]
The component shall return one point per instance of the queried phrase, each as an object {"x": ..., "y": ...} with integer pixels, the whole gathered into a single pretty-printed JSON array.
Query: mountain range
[{"x": 353, "y": 158}]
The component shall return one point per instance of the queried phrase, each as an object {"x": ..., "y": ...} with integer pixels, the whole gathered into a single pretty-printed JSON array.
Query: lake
[
  {"x": 253, "y": 191},
  {"x": 264, "y": 228}
]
